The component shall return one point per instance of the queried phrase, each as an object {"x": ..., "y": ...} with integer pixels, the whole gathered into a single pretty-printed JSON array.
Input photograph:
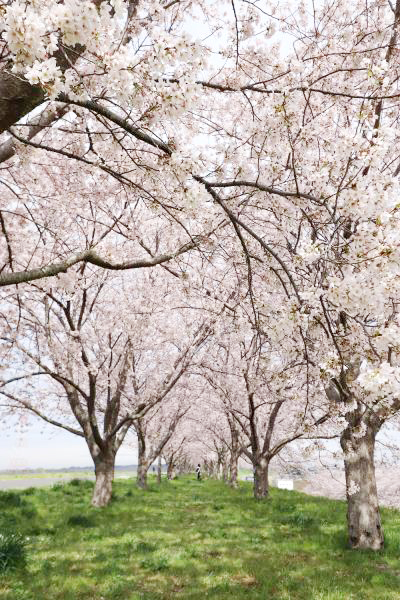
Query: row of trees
[{"x": 205, "y": 225}]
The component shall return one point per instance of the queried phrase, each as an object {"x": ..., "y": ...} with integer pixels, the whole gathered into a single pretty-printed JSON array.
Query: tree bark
[
  {"x": 170, "y": 470},
  {"x": 261, "y": 487},
  {"x": 233, "y": 470},
  {"x": 104, "y": 471},
  {"x": 141, "y": 479},
  {"x": 225, "y": 471},
  {"x": 363, "y": 516}
]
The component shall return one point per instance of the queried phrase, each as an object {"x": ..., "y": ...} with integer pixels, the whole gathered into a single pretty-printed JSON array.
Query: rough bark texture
[
  {"x": 104, "y": 471},
  {"x": 17, "y": 98},
  {"x": 261, "y": 487},
  {"x": 170, "y": 470},
  {"x": 363, "y": 516}
]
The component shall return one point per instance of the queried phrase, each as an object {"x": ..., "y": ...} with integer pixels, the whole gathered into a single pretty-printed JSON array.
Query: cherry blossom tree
[
  {"x": 153, "y": 432},
  {"x": 99, "y": 369},
  {"x": 288, "y": 134},
  {"x": 263, "y": 396},
  {"x": 175, "y": 451}
]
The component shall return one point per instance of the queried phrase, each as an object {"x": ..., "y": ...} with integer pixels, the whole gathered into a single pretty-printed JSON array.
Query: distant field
[
  {"x": 190, "y": 540},
  {"x": 60, "y": 475},
  {"x": 70, "y": 474},
  {"x": 27, "y": 480}
]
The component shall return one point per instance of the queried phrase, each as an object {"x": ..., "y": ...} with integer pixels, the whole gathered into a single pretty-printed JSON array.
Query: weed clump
[
  {"x": 155, "y": 563},
  {"x": 11, "y": 499},
  {"x": 145, "y": 547},
  {"x": 12, "y": 550}
]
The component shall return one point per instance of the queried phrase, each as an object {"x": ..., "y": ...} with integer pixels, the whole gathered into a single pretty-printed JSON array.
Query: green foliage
[
  {"x": 11, "y": 499},
  {"x": 191, "y": 542},
  {"x": 12, "y": 550}
]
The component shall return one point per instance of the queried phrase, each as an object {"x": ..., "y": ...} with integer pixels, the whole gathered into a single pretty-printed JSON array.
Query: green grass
[{"x": 190, "y": 540}]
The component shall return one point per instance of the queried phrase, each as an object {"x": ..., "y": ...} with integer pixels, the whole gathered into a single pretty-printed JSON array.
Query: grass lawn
[{"x": 191, "y": 540}]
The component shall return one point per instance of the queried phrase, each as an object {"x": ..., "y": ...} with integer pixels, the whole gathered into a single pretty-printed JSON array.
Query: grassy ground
[{"x": 191, "y": 540}]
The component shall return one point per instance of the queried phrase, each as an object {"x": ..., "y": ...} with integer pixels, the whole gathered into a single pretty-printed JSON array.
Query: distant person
[{"x": 198, "y": 472}]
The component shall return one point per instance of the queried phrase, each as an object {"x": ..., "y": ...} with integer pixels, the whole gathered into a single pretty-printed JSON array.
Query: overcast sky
[{"x": 45, "y": 446}]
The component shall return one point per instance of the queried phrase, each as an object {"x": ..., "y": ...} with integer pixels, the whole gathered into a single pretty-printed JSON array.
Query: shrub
[
  {"x": 75, "y": 481},
  {"x": 12, "y": 550}
]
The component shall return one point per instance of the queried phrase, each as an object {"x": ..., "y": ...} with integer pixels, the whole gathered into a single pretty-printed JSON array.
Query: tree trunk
[
  {"x": 159, "y": 470},
  {"x": 219, "y": 469},
  {"x": 104, "y": 471},
  {"x": 363, "y": 516},
  {"x": 141, "y": 479},
  {"x": 261, "y": 487},
  {"x": 225, "y": 471},
  {"x": 143, "y": 464},
  {"x": 170, "y": 469},
  {"x": 233, "y": 470}
]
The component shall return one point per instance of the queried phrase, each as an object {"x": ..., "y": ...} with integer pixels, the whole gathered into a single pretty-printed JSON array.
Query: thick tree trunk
[
  {"x": 363, "y": 516},
  {"x": 141, "y": 479},
  {"x": 261, "y": 487},
  {"x": 104, "y": 472}
]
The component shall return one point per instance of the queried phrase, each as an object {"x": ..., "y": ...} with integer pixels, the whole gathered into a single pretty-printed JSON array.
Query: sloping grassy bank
[{"x": 191, "y": 540}]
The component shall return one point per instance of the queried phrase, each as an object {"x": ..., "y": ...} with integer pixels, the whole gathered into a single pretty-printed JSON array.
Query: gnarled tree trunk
[
  {"x": 261, "y": 487},
  {"x": 104, "y": 472},
  {"x": 363, "y": 516}
]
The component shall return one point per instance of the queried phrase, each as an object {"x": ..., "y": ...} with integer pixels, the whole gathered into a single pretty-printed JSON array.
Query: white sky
[{"x": 45, "y": 446}]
